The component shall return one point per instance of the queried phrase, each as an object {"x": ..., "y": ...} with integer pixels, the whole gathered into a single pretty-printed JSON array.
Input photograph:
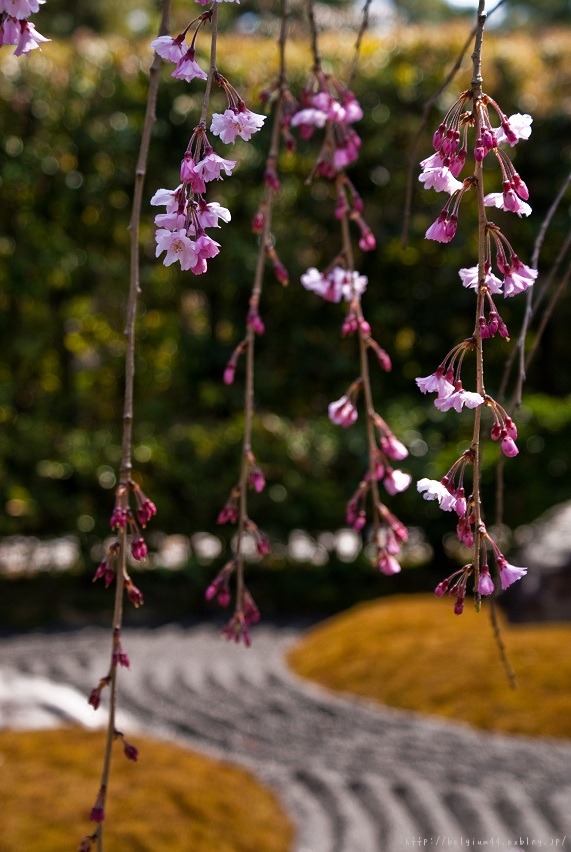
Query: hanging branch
[
  {"x": 413, "y": 156},
  {"x": 123, "y": 519}
]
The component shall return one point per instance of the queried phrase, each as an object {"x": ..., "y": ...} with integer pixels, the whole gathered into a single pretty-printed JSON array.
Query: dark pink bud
[
  {"x": 139, "y": 548},
  {"x": 258, "y": 223},
  {"x": 118, "y": 519},
  {"x": 520, "y": 187},
  {"x": 271, "y": 179},
  {"x": 367, "y": 241},
  {"x": 442, "y": 588},
  {"x": 281, "y": 272},
  {"x": 438, "y": 137},
  {"x": 511, "y": 428},
  {"x": 508, "y": 446},
  {"x": 135, "y": 595},
  {"x": 130, "y": 751},
  {"x": 364, "y": 327},
  {"x": 98, "y": 810},
  {"x": 254, "y": 321}
]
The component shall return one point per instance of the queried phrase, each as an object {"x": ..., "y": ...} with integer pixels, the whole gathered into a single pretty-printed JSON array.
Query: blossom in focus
[
  {"x": 178, "y": 247},
  {"x": 437, "y": 382},
  {"x": 509, "y": 573},
  {"x": 232, "y": 123},
  {"x": 518, "y": 276},
  {"x": 507, "y": 201},
  {"x": 171, "y": 49},
  {"x": 514, "y": 128},
  {"x": 443, "y": 229},
  {"x": 432, "y": 489},
  {"x": 469, "y": 278},
  {"x": 211, "y": 166},
  {"x": 188, "y": 69},
  {"x": 458, "y": 399}
]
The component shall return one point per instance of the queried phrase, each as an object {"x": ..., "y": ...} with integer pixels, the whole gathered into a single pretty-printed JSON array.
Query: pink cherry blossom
[
  {"x": 210, "y": 214},
  {"x": 167, "y": 197},
  {"x": 432, "y": 489},
  {"x": 507, "y": 201},
  {"x": 342, "y": 412},
  {"x": 171, "y": 49},
  {"x": 206, "y": 247},
  {"x": 178, "y": 247},
  {"x": 328, "y": 287},
  {"x": 30, "y": 39},
  {"x": 188, "y": 69},
  {"x": 469, "y": 278},
  {"x": 190, "y": 175},
  {"x": 485, "y": 583},
  {"x": 211, "y": 166},
  {"x": 20, "y": 8},
  {"x": 396, "y": 481},
  {"x": 518, "y": 276},
  {"x": 443, "y": 229},
  {"x": 232, "y": 123},
  {"x": 388, "y": 564},
  {"x": 9, "y": 31},
  {"x": 516, "y": 127},
  {"x": 458, "y": 400},
  {"x": 509, "y": 447},
  {"x": 509, "y": 573},
  {"x": 436, "y": 382},
  {"x": 393, "y": 448},
  {"x": 437, "y": 175},
  {"x": 309, "y": 118}
]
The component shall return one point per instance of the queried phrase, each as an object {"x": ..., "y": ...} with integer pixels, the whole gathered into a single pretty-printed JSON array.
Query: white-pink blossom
[
  {"x": 178, "y": 247},
  {"x": 232, "y": 123},
  {"x": 388, "y": 564},
  {"x": 310, "y": 116},
  {"x": 342, "y": 412},
  {"x": 169, "y": 48},
  {"x": 509, "y": 573},
  {"x": 436, "y": 383},
  {"x": 167, "y": 197},
  {"x": 516, "y": 127},
  {"x": 30, "y": 39},
  {"x": 211, "y": 166},
  {"x": 469, "y": 278},
  {"x": 507, "y": 201},
  {"x": 438, "y": 176},
  {"x": 20, "y": 8},
  {"x": 458, "y": 400},
  {"x": 485, "y": 582},
  {"x": 396, "y": 481},
  {"x": 209, "y": 215},
  {"x": 432, "y": 489},
  {"x": 393, "y": 448},
  {"x": 443, "y": 229},
  {"x": 518, "y": 277},
  {"x": 188, "y": 69}
]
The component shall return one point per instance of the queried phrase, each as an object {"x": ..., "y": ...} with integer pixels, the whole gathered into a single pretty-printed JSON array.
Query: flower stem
[{"x": 127, "y": 437}]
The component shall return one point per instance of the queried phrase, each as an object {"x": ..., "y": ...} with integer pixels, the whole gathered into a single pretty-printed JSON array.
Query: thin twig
[
  {"x": 359, "y": 40},
  {"x": 500, "y": 644},
  {"x": 127, "y": 440}
]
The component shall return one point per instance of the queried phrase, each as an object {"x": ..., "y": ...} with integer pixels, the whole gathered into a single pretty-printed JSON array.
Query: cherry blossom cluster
[
  {"x": 476, "y": 111},
  {"x": 328, "y": 105},
  {"x": 181, "y": 229},
  {"x": 15, "y": 28}
]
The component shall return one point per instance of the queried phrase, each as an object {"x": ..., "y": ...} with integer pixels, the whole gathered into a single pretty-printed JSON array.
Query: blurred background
[{"x": 70, "y": 121}]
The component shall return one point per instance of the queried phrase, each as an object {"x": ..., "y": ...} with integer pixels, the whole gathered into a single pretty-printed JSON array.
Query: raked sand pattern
[{"x": 354, "y": 777}]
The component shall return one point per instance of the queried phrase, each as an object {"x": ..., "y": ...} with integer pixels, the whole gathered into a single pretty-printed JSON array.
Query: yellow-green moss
[
  {"x": 413, "y": 652},
  {"x": 171, "y": 799}
]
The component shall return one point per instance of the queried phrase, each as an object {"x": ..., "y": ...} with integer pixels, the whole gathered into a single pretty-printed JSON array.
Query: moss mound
[
  {"x": 413, "y": 653},
  {"x": 172, "y": 799}
]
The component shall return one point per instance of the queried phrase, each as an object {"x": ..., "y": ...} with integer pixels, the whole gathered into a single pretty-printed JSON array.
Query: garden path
[{"x": 355, "y": 777}]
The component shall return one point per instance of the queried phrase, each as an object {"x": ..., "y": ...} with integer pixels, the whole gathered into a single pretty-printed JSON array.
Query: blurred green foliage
[{"x": 70, "y": 122}]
